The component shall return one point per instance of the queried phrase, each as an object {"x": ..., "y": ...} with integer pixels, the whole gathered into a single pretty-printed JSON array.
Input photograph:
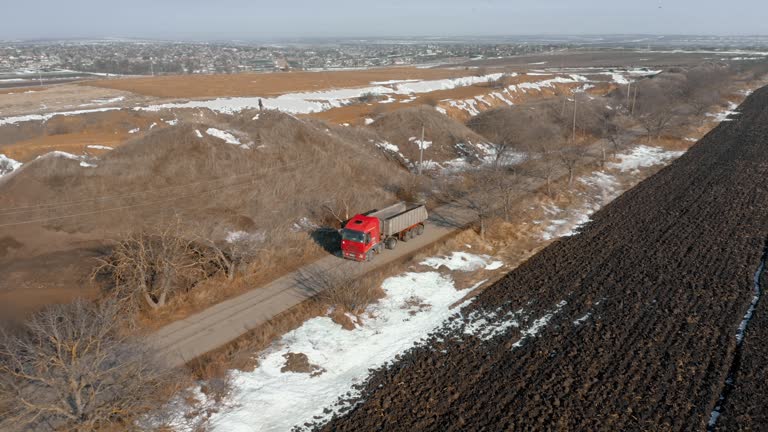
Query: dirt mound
[
  {"x": 299, "y": 363},
  {"x": 445, "y": 139},
  {"x": 265, "y": 172},
  {"x": 627, "y": 326}
]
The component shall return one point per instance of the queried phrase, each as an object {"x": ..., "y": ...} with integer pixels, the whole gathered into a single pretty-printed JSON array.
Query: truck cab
[{"x": 361, "y": 238}]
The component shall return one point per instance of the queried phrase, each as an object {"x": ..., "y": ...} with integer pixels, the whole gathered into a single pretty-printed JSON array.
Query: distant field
[
  {"x": 601, "y": 58},
  {"x": 267, "y": 84}
]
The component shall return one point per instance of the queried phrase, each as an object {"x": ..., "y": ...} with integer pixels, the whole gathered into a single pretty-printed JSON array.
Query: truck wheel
[
  {"x": 369, "y": 255},
  {"x": 411, "y": 234},
  {"x": 390, "y": 243},
  {"x": 420, "y": 230}
]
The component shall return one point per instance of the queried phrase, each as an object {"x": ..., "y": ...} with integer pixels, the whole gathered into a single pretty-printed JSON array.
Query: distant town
[
  {"x": 59, "y": 61},
  {"x": 148, "y": 58}
]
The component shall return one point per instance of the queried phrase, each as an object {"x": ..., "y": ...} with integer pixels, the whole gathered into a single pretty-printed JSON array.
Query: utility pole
[
  {"x": 421, "y": 149},
  {"x": 40, "y": 77},
  {"x": 629, "y": 92},
  {"x": 152, "y": 65},
  {"x": 573, "y": 137},
  {"x": 634, "y": 101}
]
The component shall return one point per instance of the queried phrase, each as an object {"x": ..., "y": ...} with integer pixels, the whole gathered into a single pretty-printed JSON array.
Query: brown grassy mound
[
  {"x": 450, "y": 139},
  {"x": 292, "y": 175}
]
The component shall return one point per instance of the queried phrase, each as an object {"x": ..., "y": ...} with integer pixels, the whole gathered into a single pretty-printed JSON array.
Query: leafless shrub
[
  {"x": 505, "y": 182},
  {"x": 377, "y": 111},
  {"x": 368, "y": 97},
  {"x": 233, "y": 253},
  {"x": 570, "y": 158},
  {"x": 147, "y": 267},
  {"x": 70, "y": 368},
  {"x": 546, "y": 162},
  {"x": 429, "y": 100},
  {"x": 348, "y": 290},
  {"x": 481, "y": 71}
]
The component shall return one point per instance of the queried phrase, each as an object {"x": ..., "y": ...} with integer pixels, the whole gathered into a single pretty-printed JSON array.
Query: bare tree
[
  {"x": 234, "y": 252},
  {"x": 656, "y": 121},
  {"x": 339, "y": 208},
  {"x": 505, "y": 183},
  {"x": 70, "y": 368},
  {"x": 146, "y": 268},
  {"x": 570, "y": 157},
  {"x": 546, "y": 162}
]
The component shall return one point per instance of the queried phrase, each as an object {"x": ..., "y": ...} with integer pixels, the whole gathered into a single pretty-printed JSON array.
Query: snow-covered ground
[
  {"x": 310, "y": 102},
  {"x": 600, "y": 189},
  {"x": 85, "y": 161},
  {"x": 725, "y": 114},
  {"x": 643, "y": 156},
  {"x": 46, "y": 117},
  {"x": 268, "y": 399},
  {"x": 8, "y": 165},
  {"x": 225, "y": 136}
]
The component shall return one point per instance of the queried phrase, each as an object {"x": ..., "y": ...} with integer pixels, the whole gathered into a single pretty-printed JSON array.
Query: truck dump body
[{"x": 399, "y": 217}]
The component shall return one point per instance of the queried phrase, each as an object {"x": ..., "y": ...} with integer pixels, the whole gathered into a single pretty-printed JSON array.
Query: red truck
[{"x": 369, "y": 233}]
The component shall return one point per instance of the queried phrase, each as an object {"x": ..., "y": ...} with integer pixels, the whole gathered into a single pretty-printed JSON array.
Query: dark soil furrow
[{"x": 666, "y": 272}]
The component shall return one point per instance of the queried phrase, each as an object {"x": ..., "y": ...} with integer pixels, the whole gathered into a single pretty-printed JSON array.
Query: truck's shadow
[{"x": 329, "y": 239}]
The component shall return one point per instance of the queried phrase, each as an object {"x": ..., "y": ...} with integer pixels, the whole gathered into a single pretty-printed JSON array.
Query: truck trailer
[{"x": 367, "y": 234}]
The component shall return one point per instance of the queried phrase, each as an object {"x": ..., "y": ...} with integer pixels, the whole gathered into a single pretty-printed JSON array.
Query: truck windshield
[{"x": 352, "y": 235}]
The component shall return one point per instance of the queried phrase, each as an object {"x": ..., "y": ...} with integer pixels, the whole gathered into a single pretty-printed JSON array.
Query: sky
[{"x": 275, "y": 19}]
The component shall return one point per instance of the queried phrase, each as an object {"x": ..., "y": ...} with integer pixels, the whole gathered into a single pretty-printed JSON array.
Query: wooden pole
[
  {"x": 421, "y": 149},
  {"x": 573, "y": 137}
]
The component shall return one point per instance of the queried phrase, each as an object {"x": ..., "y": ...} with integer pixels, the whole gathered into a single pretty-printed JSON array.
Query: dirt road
[
  {"x": 188, "y": 338},
  {"x": 630, "y": 325}
]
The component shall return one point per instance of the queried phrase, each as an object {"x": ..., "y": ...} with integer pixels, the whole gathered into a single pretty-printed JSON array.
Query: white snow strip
[
  {"x": 644, "y": 156},
  {"x": 582, "y": 319},
  {"x": 724, "y": 115},
  {"x": 423, "y": 145},
  {"x": 368, "y": 121},
  {"x": 488, "y": 325},
  {"x": 46, "y": 117},
  {"x": 538, "y": 325},
  {"x": 463, "y": 261},
  {"x": 311, "y": 102},
  {"x": 268, "y": 399},
  {"x": 602, "y": 188},
  {"x": 99, "y": 147},
  {"x": 223, "y": 135},
  {"x": 244, "y": 236}
]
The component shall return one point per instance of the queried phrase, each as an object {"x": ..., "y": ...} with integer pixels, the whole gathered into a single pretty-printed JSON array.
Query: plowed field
[{"x": 629, "y": 325}]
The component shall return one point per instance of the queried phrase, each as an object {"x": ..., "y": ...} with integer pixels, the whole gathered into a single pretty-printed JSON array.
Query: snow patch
[
  {"x": 244, "y": 236},
  {"x": 463, "y": 261},
  {"x": 46, "y": 117},
  {"x": 268, "y": 399},
  {"x": 225, "y": 136},
  {"x": 8, "y": 165},
  {"x": 538, "y": 325},
  {"x": 643, "y": 156}
]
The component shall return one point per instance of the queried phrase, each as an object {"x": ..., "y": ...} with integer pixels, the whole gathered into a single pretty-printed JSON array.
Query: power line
[
  {"x": 55, "y": 206},
  {"x": 41, "y": 220}
]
